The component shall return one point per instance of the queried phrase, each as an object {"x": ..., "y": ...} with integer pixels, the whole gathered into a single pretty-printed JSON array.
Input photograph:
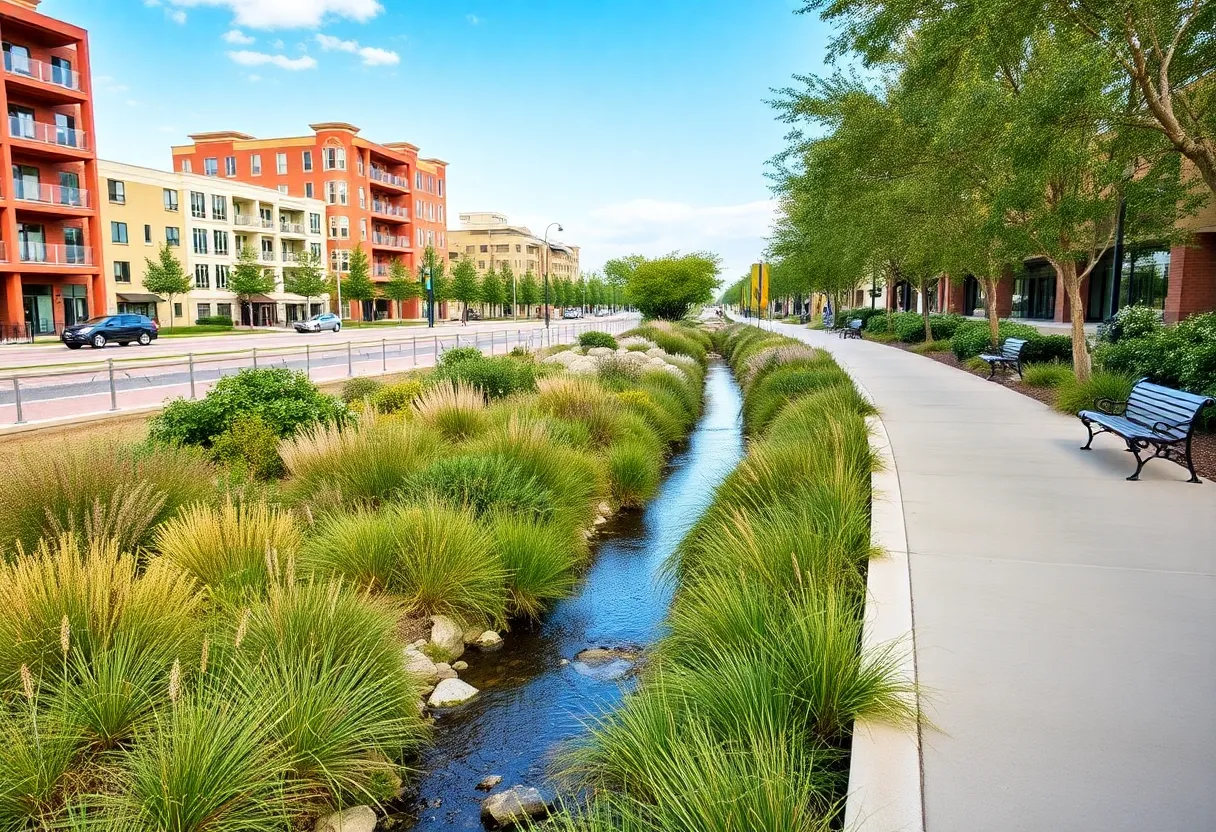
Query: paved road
[
  {"x": 1065, "y": 618},
  {"x": 78, "y": 388}
]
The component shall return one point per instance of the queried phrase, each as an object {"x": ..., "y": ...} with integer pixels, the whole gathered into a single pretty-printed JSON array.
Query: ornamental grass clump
[
  {"x": 1074, "y": 396},
  {"x": 541, "y": 560},
  {"x": 1047, "y": 374},
  {"x": 482, "y": 483},
  {"x": 634, "y": 472},
  {"x": 454, "y": 409}
]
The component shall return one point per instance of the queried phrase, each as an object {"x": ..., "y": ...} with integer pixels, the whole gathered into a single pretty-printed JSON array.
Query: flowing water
[{"x": 530, "y": 702}]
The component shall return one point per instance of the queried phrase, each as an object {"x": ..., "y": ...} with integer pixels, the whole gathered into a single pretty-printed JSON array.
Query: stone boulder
[
  {"x": 447, "y": 637},
  {"x": 600, "y": 352},
  {"x": 354, "y": 819},
  {"x": 516, "y": 805},
  {"x": 445, "y": 670},
  {"x": 583, "y": 366},
  {"x": 606, "y": 664},
  {"x": 489, "y": 782},
  {"x": 419, "y": 665},
  {"x": 451, "y": 692},
  {"x": 488, "y": 641}
]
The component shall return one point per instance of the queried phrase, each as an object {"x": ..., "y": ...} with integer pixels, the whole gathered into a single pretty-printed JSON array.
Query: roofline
[
  {"x": 333, "y": 125},
  {"x": 219, "y": 135}
]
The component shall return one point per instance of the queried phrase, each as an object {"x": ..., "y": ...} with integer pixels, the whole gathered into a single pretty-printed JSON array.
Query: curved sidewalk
[{"x": 1065, "y": 619}]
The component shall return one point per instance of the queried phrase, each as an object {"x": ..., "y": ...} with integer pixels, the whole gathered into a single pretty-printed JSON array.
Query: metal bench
[
  {"x": 1010, "y": 355},
  {"x": 852, "y": 330},
  {"x": 1154, "y": 417}
]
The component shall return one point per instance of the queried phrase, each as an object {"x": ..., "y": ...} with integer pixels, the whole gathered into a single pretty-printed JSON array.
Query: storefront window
[
  {"x": 1145, "y": 277},
  {"x": 1034, "y": 292}
]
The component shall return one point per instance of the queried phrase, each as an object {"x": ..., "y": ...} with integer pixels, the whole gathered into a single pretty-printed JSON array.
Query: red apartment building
[
  {"x": 50, "y": 234},
  {"x": 378, "y": 196}
]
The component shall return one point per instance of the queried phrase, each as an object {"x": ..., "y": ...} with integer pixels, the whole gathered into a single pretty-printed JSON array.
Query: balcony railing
[
  {"x": 247, "y": 220},
  {"x": 380, "y": 269},
  {"x": 381, "y": 175},
  {"x": 291, "y": 227},
  {"x": 388, "y": 209},
  {"x": 56, "y": 255},
  {"x": 390, "y": 240},
  {"x": 39, "y": 131},
  {"x": 50, "y": 194},
  {"x": 268, "y": 256},
  {"x": 39, "y": 71},
  {"x": 291, "y": 257}
]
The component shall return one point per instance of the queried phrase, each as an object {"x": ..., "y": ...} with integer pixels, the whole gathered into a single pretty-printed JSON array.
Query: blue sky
[{"x": 641, "y": 125}]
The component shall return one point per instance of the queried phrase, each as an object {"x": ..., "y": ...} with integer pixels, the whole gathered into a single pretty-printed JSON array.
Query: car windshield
[
  {"x": 94, "y": 321},
  {"x": 318, "y": 317}
]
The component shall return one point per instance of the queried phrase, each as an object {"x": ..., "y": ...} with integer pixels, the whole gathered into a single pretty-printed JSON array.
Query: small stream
[{"x": 530, "y": 703}]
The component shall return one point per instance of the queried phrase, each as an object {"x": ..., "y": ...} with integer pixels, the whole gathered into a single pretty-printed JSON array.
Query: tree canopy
[{"x": 668, "y": 287}]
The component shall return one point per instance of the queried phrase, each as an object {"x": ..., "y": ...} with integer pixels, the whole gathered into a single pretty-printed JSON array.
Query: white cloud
[
  {"x": 236, "y": 36},
  {"x": 176, "y": 15},
  {"x": 288, "y": 14},
  {"x": 245, "y": 57},
  {"x": 278, "y": 44},
  {"x": 253, "y": 77},
  {"x": 167, "y": 128},
  {"x": 370, "y": 55},
  {"x": 473, "y": 19}
]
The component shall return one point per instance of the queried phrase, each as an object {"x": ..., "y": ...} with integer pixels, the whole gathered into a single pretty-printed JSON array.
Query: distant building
[
  {"x": 206, "y": 221},
  {"x": 489, "y": 241}
]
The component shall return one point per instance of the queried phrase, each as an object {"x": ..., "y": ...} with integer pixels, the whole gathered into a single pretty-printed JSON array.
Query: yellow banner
[{"x": 759, "y": 286}]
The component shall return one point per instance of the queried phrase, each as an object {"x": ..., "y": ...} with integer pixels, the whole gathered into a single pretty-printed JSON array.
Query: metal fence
[{"x": 114, "y": 385}]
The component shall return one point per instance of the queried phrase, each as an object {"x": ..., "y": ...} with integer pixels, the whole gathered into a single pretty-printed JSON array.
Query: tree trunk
[
  {"x": 924, "y": 311},
  {"x": 994, "y": 321},
  {"x": 1067, "y": 270}
]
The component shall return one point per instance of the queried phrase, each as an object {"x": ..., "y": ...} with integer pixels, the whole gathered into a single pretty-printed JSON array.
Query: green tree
[
  {"x": 166, "y": 276},
  {"x": 529, "y": 292},
  {"x": 431, "y": 263},
  {"x": 307, "y": 278},
  {"x": 493, "y": 291},
  {"x": 510, "y": 288},
  {"x": 248, "y": 278},
  {"x": 358, "y": 285},
  {"x": 597, "y": 291},
  {"x": 399, "y": 287},
  {"x": 465, "y": 286},
  {"x": 668, "y": 287}
]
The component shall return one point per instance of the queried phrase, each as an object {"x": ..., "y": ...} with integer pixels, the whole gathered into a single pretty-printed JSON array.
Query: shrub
[
  {"x": 596, "y": 339},
  {"x": 395, "y": 398},
  {"x": 1075, "y": 396},
  {"x": 494, "y": 377},
  {"x": 878, "y": 323},
  {"x": 287, "y": 401},
  {"x": 1132, "y": 322},
  {"x": 249, "y": 446},
  {"x": 973, "y": 337},
  {"x": 481, "y": 483},
  {"x": 616, "y": 373},
  {"x": 540, "y": 559},
  {"x": 98, "y": 489},
  {"x": 1045, "y": 348},
  {"x": 214, "y": 320},
  {"x": 667, "y": 427},
  {"x": 634, "y": 471},
  {"x": 908, "y": 327},
  {"x": 459, "y": 355},
  {"x": 1051, "y": 374},
  {"x": 359, "y": 388},
  {"x": 1181, "y": 356},
  {"x": 455, "y": 409},
  {"x": 233, "y": 549}
]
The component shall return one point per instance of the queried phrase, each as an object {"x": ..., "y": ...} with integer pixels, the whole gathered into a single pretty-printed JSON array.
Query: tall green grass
[{"x": 1074, "y": 396}]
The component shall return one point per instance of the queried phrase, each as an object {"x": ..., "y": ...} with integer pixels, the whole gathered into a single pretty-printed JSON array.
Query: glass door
[
  {"x": 25, "y": 182},
  {"x": 73, "y": 245},
  {"x": 17, "y": 59},
  {"x": 69, "y": 188},
  {"x": 75, "y": 305},
  {"x": 32, "y": 242},
  {"x": 61, "y": 72},
  {"x": 65, "y": 130},
  {"x": 20, "y": 122}
]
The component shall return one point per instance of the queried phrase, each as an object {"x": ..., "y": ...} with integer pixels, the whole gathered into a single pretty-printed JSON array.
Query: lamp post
[
  {"x": 546, "y": 294},
  {"x": 430, "y": 297}
]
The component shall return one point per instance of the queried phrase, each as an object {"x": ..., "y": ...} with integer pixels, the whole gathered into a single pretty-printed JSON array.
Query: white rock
[
  {"x": 451, "y": 692},
  {"x": 582, "y": 366},
  {"x": 420, "y": 643},
  {"x": 601, "y": 520},
  {"x": 447, "y": 636},
  {"x": 419, "y": 665},
  {"x": 600, "y": 352},
  {"x": 516, "y": 804},
  {"x": 446, "y": 672},
  {"x": 354, "y": 819},
  {"x": 489, "y": 640}
]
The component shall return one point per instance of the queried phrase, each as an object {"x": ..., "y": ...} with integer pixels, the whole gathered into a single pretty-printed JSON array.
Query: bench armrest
[
  {"x": 1163, "y": 426},
  {"x": 1111, "y": 407}
]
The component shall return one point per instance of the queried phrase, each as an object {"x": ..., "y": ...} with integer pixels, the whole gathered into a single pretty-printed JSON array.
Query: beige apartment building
[
  {"x": 490, "y": 241},
  {"x": 207, "y": 221}
]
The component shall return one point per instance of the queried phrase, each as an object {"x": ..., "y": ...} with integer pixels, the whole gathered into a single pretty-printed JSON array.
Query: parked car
[
  {"x": 600, "y": 313},
  {"x": 317, "y": 323},
  {"x": 100, "y": 331},
  {"x": 572, "y": 313}
]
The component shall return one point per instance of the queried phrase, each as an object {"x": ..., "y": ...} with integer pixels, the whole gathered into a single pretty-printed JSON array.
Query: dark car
[{"x": 102, "y": 330}]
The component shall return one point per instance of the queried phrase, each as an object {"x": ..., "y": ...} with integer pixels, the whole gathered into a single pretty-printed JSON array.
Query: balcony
[
  {"x": 390, "y": 240},
  {"x": 388, "y": 209},
  {"x": 57, "y": 195},
  {"x": 291, "y": 257},
  {"x": 380, "y": 269},
  {"x": 40, "y": 71},
  {"x": 247, "y": 220},
  {"x": 55, "y": 255},
  {"x": 267, "y": 256},
  {"x": 291, "y": 227},
  {"x": 49, "y": 134},
  {"x": 383, "y": 176}
]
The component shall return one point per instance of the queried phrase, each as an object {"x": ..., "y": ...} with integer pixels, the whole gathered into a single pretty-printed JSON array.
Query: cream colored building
[
  {"x": 207, "y": 220},
  {"x": 490, "y": 241}
]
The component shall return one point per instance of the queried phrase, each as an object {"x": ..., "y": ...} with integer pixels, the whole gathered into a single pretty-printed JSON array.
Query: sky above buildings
[{"x": 640, "y": 125}]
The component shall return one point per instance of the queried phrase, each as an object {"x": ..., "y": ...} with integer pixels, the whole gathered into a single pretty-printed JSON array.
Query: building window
[
  {"x": 200, "y": 240},
  {"x": 315, "y": 248},
  {"x": 308, "y": 190},
  {"x": 170, "y": 198},
  {"x": 177, "y": 310},
  {"x": 230, "y": 165},
  {"x": 198, "y": 205},
  {"x": 219, "y": 207},
  {"x": 118, "y": 232},
  {"x": 339, "y": 227},
  {"x": 117, "y": 191},
  {"x": 339, "y": 260},
  {"x": 418, "y": 180},
  {"x": 314, "y": 223},
  {"x": 221, "y": 280},
  {"x": 359, "y": 164},
  {"x": 502, "y": 249},
  {"x": 122, "y": 271},
  {"x": 440, "y": 213},
  {"x": 420, "y": 238},
  {"x": 187, "y": 167},
  {"x": 335, "y": 192},
  {"x": 283, "y": 190},
  {"x": 224, "y": 310},
  {"x": 221, "y": 242},
  {"x": 211, "y": 166},
  {"x": 280, "y": 164},
  {"x": 333, "y": 158},
  {"x": 307, "y": 161},
  {"x": 481, "y": 264},
  {"x": 1034, "y": 292},
  {"x": 363, "y": 229},
  {"x": 173, "y": 235},
  {"x": 267, "y": 249},
  {"x": 255, "y": 164},
  {"x": 202, "y": 276},
  {"x": 518, "y": 248},
  {"x": 441, "y": 187},
  {"x": 148, "y": 234},
  {"x": 483, "y": 249},
  {"x": 362, "y": 198},
  {"x": 204, "y": 311}
]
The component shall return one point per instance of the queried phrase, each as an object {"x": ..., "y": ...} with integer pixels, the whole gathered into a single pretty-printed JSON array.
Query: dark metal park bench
[
  {"x": 852, "y": 329},
  {"x": 1154, "y": 417},
  {"x": 1010, "y": 356}
]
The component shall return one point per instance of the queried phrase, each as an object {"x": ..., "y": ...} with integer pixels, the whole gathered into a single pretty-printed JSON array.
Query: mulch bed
[{"x": 1203, "y": 445}]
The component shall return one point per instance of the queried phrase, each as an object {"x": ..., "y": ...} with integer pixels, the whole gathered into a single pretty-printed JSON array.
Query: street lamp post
[
  {"x": 546, "y": 297},
  {"x": 430, "y": 298}
]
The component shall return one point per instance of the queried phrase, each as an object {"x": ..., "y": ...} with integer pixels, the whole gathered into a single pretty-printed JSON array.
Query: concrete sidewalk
[{"x": 1065, "y": 619}]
